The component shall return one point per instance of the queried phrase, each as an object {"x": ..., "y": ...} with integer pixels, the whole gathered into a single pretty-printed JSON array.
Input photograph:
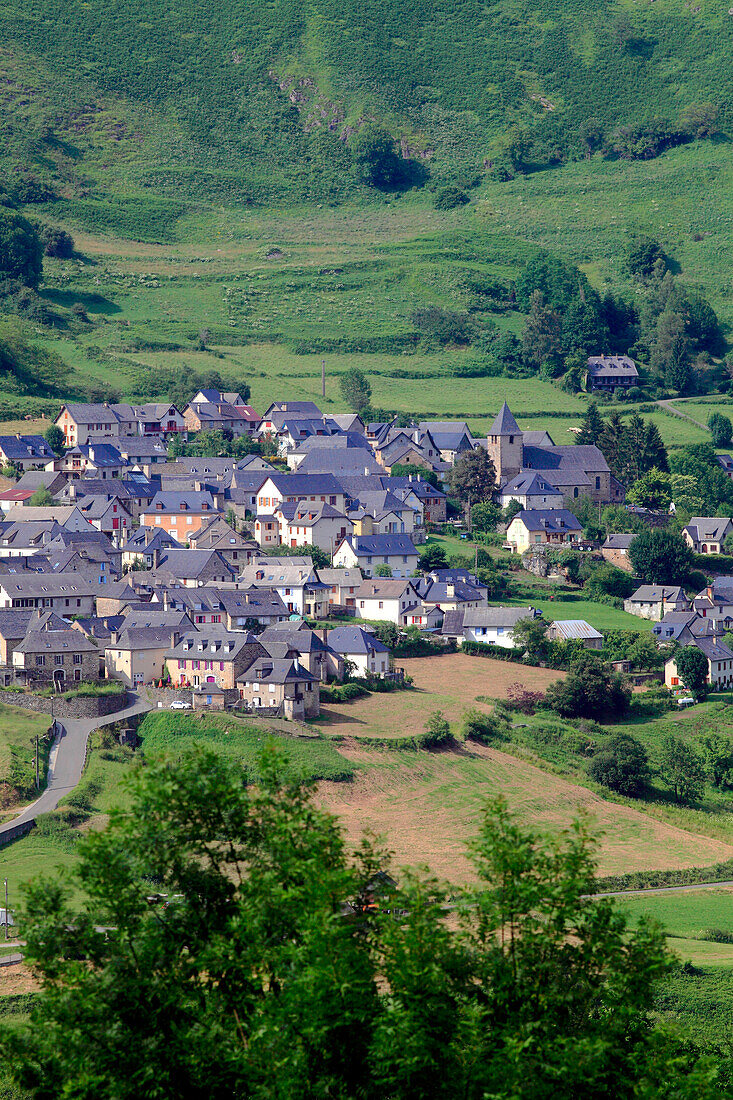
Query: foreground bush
[{"x": 258, "y": 980}]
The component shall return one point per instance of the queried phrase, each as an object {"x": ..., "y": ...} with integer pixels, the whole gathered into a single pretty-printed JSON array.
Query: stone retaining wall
[
  {"x": 91, "y": 706},
  {"x": 166, "y": 696}
]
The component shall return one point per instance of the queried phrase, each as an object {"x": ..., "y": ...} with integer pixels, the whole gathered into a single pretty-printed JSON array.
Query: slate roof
[
  {"x": 714, "y": 649},
  {"x": 174, "y": 503},
  {"x": 548, "y": 519},
  {"x": 305, "y": 485},
  {"x": 496, "y": 616},
  {"x": 276, "y": 670},
  {"x": 707, "y": 528},
  {"x": 612, "y": 366},
  {"x": 25, "y": 447},
  {"x": 504, "y": 423},
  {"x": 655, "y": 593},
  {"x": 382, "y": 545},
  {"x": 354, "y": 639},
  {"x": 143, "y": 637},
  {"x": 189, "y": 564},
  {"x": 574, "y": 456},
  {"x": 530, "y": 483},
  {"x": 620, "y": 541}
]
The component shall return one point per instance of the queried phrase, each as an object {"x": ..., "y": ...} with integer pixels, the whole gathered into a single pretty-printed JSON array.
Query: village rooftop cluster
[{"x": 184, "y": 574}]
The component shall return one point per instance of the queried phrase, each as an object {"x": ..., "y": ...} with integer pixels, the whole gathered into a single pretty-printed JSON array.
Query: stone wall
[
  {"x": 93, "y": 706},
  {"x": 165, "y": 696}
]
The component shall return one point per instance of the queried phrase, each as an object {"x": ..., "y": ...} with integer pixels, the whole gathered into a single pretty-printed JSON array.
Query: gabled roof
[
  {"x": 25, "y": 447},
  {"x": 385, "y": 545},
  {"x": 655, "y": 593},
  {"x": 496, "y": 616},
  {"x": 274, "y": 670},
  {"x": 504, "y": 423},
  {"x": 576, "y": 629},
  {"x": 548, "y": 519},
  {"x": 619, "y": 541},
  {"x": 708, "y": 528},
  {"x": 354, "y": 639}
]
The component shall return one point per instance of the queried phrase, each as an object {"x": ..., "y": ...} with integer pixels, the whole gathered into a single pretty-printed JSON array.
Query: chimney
[
  {"x": 113, "y": 637},
  {"x": 175, "y": 639},
  {"x": 450, "y": 591},
  {"x": 710, "y": 592}
]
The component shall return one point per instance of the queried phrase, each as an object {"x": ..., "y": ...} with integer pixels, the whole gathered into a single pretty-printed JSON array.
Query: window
[
  {"x": 40, "y": 661},
  {"x": 381, "y": 605},
  {"x": 77, "y": 658},
  {"x": 58, "y": 659},
  {"x": 181, "y": 664},
  {"x": 77, "y": 674}
]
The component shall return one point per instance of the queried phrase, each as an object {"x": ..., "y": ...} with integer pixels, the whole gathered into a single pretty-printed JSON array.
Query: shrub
[
  {"x": 484, "y": 728},
  {"x": 522, "y": 699},
  {"x": 437, "y": 731},
  {"x": 57, "y": 243},
  {"x": 621, "y": 764},
  {"x": 449, "y": 198},
  {"x": 590, "y": 690}
]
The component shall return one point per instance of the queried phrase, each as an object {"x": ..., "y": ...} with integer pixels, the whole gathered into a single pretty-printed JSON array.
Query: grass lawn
[
  {"x": 686, "y": 916},
  {"x": 18, "y": 730},
  {"x": 599, "y": 615}
]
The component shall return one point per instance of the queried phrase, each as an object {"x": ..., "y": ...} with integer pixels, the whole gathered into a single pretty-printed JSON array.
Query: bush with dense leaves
[
  {"x": 590, "y": 690},
  {"x": 621, "y": 764}
]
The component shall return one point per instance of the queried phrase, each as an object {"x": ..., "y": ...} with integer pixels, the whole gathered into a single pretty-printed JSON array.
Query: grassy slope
[{"x": 18, "y": 729}]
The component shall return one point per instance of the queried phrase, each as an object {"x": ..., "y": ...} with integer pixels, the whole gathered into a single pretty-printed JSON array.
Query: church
[{"x": 572, "y": 471}]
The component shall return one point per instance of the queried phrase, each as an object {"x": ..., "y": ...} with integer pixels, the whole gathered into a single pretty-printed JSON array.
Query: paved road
[
  {"x": 662, "y": 889},
  {"x": 667, "y": 404},
  {"x": 66, "y": 760}
]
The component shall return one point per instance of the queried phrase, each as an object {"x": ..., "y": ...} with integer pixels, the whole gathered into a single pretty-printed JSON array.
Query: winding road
[{"x": 66, "y": 760}]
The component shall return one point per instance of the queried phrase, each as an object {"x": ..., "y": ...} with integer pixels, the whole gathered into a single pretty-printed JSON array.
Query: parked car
[{"x": 178, "y": 704}]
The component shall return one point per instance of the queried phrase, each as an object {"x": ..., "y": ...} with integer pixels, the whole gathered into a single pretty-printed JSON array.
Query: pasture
[{"x": 449, "y": 683}]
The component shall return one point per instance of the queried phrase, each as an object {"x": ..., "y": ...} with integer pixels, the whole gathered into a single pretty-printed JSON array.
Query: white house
[
  {"x": 367, "y": 653},
  {"x": 368, "y": 552},
  {"x": 386, "y": 599},
  {"x": 494, "y": 625},
  {"x": 720, "y": 665}
]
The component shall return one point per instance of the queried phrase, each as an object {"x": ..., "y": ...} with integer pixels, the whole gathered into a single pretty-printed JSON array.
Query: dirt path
[{"x": 667, "y": 404}]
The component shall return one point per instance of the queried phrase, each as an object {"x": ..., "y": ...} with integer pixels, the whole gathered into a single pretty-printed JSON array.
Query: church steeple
[{"x": 505, "y": 444}]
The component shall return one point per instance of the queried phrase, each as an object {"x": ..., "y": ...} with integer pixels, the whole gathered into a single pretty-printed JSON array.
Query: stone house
[
  {"x": 52, "y": 652},
  {"x": 282, "y": 685},
  {"x": 211, "y": 657},
  {"x": 652, "y": 601}
]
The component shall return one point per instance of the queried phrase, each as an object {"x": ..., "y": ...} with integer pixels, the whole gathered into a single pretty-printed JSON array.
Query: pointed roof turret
[{"x": 504, "y": 423}]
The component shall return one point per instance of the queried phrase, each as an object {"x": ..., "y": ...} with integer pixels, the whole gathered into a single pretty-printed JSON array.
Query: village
[{"x": 251, "y": 582}]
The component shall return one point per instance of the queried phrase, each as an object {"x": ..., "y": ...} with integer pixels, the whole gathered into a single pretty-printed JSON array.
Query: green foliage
[
  {"x": 257, "y": 880},
  {"x": 632, "y": 447},
  {"x": 437, "y": 731},
  {"x": 21, "y": 251},
  {"x": 57, "y": 242},
  {"x": 485, "y": 516},
  {"x": 652, "y": 490},
  {"x": 448, "y": 198},
  {"x": 473, "y": 477},
  {"x": 433, "y": 557},
  {"x": 55, "y": 439},
  {"x": 721, "y": 429},
  {"x": 406, "y": 469},
  {"x": 621, "y": 763},
  {"x": 373, "y": 152},
  {"x": 642, "y": 255},
  {"x": 355, "y": 389},
  {"x": 692, "y": 667},
  {"x": 590, "y": 690},
  {"x": 530, "y": 635},
  {"x": 709, "y": 489},
  {"x": 683, "y": 769},
  {"x": 486, "y": 729},
  {"x": 592, "y": 426},
  {"x": 383, "y": 570},
  {"x": 718, "y": 752},
  {"x": 41, "y": 498},
  {"x": 659, "y": 556}
]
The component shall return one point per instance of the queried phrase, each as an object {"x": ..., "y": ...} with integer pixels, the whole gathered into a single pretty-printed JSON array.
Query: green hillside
[{"x": 201, "y": 156}]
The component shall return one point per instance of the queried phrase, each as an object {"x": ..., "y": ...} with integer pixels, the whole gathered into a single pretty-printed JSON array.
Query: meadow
[{"x": 18, "y": 731}]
